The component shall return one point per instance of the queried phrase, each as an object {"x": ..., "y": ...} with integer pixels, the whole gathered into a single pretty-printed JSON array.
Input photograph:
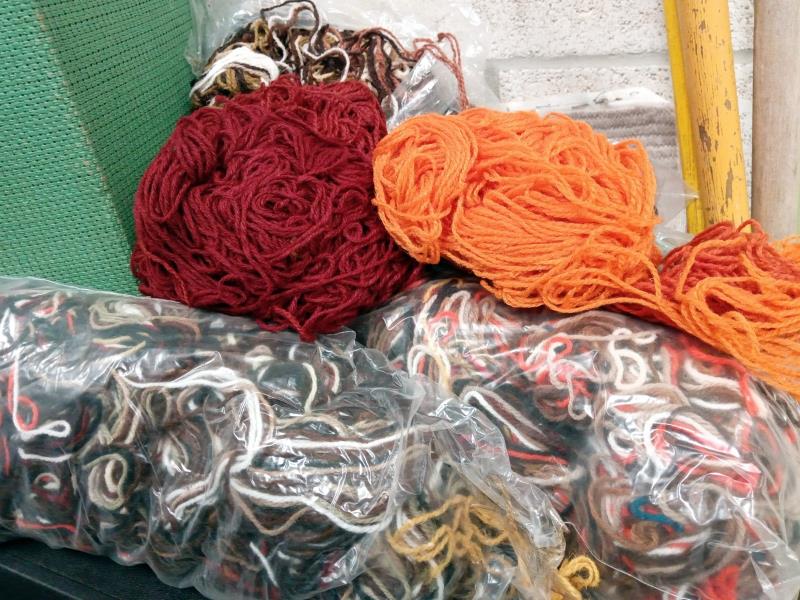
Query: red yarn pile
[
  {"x": 727, "y": 269},
  {"x": 262, "y": 207}
]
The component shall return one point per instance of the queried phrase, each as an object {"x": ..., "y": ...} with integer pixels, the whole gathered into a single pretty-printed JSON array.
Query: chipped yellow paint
[
  {"x": 714, "y": 107},
  {"x": 695, "y": 222}
]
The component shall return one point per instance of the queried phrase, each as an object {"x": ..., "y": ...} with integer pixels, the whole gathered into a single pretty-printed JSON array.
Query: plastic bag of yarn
[
  {"x": 478, "y": 529},
  {"x": 465, "y": 340},
  {"x": 469, "y": 527},
  {"x": 248, "y": 463},
  {"x": 679, "y": 471},
  {"x": 393, "y": 47}
]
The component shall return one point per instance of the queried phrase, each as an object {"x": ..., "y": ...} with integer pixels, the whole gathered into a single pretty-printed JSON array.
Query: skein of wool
[
  {"x": 549, "y": 187},
  {"x": 678, "y": 468},
  {"x": 246, "y": 463},
  {"x": 291, "y": 37},
  {"x": 549, "y": 213},
  {"x": 262, "y": 208}
]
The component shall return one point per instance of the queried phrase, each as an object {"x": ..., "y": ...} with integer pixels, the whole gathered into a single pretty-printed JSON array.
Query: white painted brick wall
[
  {"x": 543, "y": 47},
  {"x": 548, "y": 28}
]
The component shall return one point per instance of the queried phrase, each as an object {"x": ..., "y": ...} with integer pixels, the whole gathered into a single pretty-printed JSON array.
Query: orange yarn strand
[
  {"x": 790, "y": 249},
  {"x": 548, "y": 212}
]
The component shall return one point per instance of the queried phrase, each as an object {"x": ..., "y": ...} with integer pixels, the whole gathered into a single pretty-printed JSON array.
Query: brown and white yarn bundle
[{"x": 292, "y": 37}]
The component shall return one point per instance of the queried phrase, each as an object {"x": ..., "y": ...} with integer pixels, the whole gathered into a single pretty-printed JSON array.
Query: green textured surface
[{"x": 93, "y": 88}]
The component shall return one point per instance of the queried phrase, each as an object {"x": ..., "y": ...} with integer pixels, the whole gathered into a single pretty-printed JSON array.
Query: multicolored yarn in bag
[
  {"x": 248, "y": 463},
  {"x": 292, "y": 38},
  {"x": 224, "y": 457},
  {"x": 675, "y": 465},
  {"x": 466, "y": 341}
]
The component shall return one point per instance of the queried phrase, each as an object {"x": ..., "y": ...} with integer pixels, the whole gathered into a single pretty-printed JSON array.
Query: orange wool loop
[{"x": 549, "y": 212}]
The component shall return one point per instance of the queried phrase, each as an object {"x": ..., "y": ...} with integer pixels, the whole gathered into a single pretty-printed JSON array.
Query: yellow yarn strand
[
  {"x": 465, "y": 537},
  {"x": 574, "y": 575},
  {"x": 475, "y": 526}
]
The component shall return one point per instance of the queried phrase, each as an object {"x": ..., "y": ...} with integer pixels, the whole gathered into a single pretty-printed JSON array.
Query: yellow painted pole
[
  {"x": 714, "y": 107},
  {"x": 695, "y": 223}
]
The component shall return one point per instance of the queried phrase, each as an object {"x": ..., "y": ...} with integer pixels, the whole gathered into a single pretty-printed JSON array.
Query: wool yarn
[
  {"x": 291, "y": 37},
  {"x": 735, "y": 287},
  {"x": 550, "y": 213},
  {"x": 262, "y": 208},
  {"x": 463, "y": 340},
  {"x": 790, "y": 249},
  {"x": 676, "y": 466},
  {"x": 452, "y": 522},
  {"x": 220, "y": 455},
  {"x": 245, "y": 463},
  {"x": 235, "y": 70}
]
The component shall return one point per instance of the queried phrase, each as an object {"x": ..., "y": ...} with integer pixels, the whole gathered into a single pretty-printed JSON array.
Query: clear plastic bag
[
  {"x": 429, "y": 86},
  {"x": 668, "y": 239},
  {"x": 678, "y": 470},
  {"x": 477, "y": 529},
  {"x": 245, "y": 463}
]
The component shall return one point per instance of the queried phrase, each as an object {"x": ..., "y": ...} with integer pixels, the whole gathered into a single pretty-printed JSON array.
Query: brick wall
[{"x": 543, "y": 47}]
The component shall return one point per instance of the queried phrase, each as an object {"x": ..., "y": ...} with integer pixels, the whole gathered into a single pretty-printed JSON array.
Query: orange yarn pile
[{"x": 548, "y": 212}]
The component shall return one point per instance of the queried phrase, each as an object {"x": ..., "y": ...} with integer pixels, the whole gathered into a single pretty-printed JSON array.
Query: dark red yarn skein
[{"x": 262, "y": 208}]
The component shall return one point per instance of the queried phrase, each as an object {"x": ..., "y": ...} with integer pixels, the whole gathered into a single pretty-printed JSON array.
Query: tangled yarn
[
  {"x": 475, "y": 528},
  {"x": 736, "y": 288},
  {"x": 242, "y": 462},
  {"x": 292, "y": 38},
  {"x": 462, "y": 544},
  {"x": 549, "y": 213},
  {"x": 220, "y": 455},
  {"x": 675, "y": 465},
  {"x": 461, "y": 337},
  {"x": 262, "y": 208},
  {"x": 443, "y": 184}
]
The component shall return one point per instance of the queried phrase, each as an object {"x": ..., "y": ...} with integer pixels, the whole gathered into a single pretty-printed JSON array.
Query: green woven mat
[{"x": 92, "y": 89}]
